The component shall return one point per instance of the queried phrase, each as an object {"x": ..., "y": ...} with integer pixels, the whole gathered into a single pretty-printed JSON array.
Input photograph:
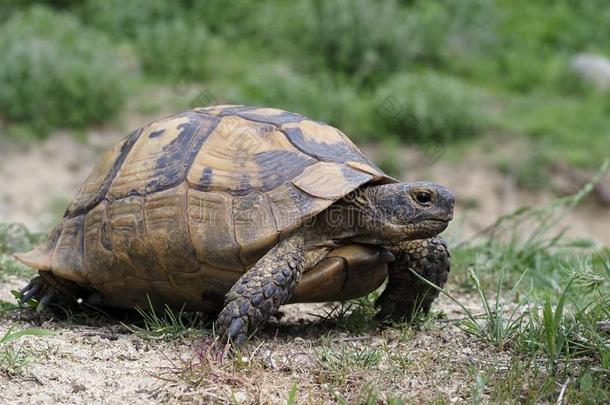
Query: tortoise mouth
[
  {"x": 428, "y": 229},
  {"x": 440, "y": 224}
]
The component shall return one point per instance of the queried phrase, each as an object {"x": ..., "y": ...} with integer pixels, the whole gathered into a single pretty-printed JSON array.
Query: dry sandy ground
[{"x": 104, "y": 364}]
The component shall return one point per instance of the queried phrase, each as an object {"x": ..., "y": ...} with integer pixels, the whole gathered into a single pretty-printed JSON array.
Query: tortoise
[{"x": 235, "y": 210}]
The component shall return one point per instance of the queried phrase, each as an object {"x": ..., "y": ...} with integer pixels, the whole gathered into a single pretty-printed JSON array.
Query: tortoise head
[{"x": 391, "y": 213}]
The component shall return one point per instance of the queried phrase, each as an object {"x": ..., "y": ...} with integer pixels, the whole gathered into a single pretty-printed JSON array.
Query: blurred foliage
[
  {"x": 361, "y": 38},
  {"x": 490, "y": 65},
  {"x": 57, "y": 72},
  {"x": 319, "y": 96},
  {"x": 424, "y": 107},
  {"x": 173, "y": 49},
  {"x": 9, "y": 7},
  {"x": 124, "y": 19},
  {"x": 241, "y": 19},
  {"x": 16, "y": 238}
]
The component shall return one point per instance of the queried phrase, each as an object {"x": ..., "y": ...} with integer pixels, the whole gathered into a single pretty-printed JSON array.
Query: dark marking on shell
[
  {"x": 205, "y": 183},
  {"x": 353, "y": 176},
  {"x": 172, "y": 167},
  {"x": 244, "y": 186},
  {"x": 339, "y": 152},
  {"x": 279, "y": 166},
  {"x": 278, "y": 119},
  {"x": 105, "y": 235},
  {"x": 235, "y": 109},
  {"x": 81, "y": 238},
  {"x": 156, "y": 134},
  {"x": 300, "y": 199}
]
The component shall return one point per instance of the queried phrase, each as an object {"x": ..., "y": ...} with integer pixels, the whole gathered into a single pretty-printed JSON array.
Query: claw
[
  {"x": 30, "y": 293},
  {"x": 236, "y": 325},
  {"x": 386, "y": 256},
  {"x": 239, "y": 339},
  {"x": 45, "y": 300},
  {"x": 27, "y": 287}
]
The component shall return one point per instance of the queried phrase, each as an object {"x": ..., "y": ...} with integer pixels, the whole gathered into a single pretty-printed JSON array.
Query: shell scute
[
  {"x": 273, "y": 116},
  {"x": 168, "y": 232},
  {"x": 67, "y": 261},
  {"x": 330, "y": 181},
  {"x": 97, "y": 184},
  {"x": 163, "y": 160},
  {"x": 99, "y": 254},
  {"x": 210, "y": 221},
  {"x": 255, "y": 228},
  {"x": 129, "y": 239},
  {"x": 323, "y": 142},
  {"x": 241, "y": 157}
]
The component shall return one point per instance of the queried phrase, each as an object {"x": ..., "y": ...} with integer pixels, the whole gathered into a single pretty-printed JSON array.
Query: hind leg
[
  {"x": 405, "y": 294},
  {"x": 47, "y": 289}
]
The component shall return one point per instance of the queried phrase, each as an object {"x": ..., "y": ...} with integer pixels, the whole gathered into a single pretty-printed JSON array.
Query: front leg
[
  {"x": 261, "y": 291},
  {"x": 405, "y": 294}
]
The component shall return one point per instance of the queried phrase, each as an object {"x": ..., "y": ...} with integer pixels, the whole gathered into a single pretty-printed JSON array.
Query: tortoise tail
[{"x": 41, "y": 257}]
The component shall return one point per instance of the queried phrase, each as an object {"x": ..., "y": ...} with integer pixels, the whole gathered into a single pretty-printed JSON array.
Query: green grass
[
  {"x": 167, "y": 325},
  {"x": 14, "y": 359},
  {"x": 563, "y": 128},
  {"x": 526, "y": 240},
  {"x": 525, "y": 381},
  {"x": 348, "y": 356},
  {"x": 550, "y": 319}
]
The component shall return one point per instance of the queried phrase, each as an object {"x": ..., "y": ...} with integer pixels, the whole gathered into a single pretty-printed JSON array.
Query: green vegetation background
[{"x": 441, "y": 71}]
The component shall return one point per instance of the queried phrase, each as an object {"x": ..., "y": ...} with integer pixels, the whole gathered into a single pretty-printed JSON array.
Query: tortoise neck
[{"x": 348, "y": 218}]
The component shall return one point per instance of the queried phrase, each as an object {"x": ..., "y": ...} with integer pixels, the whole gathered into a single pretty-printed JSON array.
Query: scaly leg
[
  {"x": 261, "y": 291},
  {"x": 405, "y": 294}
]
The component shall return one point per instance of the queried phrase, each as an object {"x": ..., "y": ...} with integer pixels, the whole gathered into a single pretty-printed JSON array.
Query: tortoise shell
[{"x": 184, "y": 205}]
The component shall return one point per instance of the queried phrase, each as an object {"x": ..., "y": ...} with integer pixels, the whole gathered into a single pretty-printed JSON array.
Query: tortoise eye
[{"x": 423, "y": 197}]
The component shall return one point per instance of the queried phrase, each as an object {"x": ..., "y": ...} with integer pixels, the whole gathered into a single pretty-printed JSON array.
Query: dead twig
[{"x": 563, "y": 390}]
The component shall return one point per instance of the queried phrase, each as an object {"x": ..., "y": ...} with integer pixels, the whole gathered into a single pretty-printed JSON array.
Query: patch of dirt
[
  {"x": 41, "y": 176},
  {"x": 101, "y": 364},
  {"x": 89, "y": 365}
]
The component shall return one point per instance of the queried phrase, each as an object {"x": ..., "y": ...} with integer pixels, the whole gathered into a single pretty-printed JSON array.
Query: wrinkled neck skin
[
  {"x": 351, "y": 219},
  {"x": 335, "y": 226}
]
